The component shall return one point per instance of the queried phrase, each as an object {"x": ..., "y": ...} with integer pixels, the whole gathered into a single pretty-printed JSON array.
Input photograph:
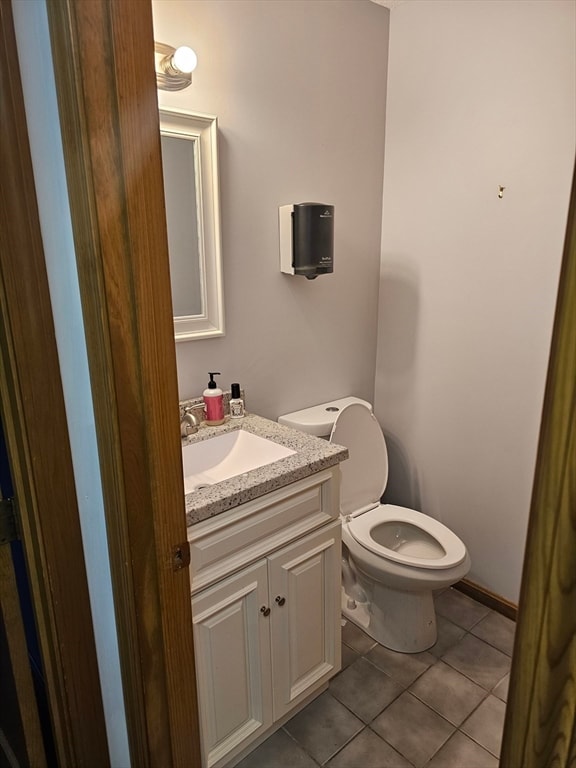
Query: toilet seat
[{"x": 429, "y": 544}]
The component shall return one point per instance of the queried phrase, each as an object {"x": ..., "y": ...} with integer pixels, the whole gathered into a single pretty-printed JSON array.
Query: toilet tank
[{"x": 319, "y": 419}]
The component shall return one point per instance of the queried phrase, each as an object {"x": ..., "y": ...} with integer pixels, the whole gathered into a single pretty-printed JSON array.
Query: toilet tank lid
[{"x": 319, "y": 419}]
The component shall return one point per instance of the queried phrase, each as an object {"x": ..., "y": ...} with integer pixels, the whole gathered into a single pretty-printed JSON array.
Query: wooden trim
[
  {"x": 13, "y": 626},
  {"x": 34, "y": 419},
  {"x": 540, "y": 727},
  {"x": 488, "y": 598},
  {"x": 106, "y": 86}
]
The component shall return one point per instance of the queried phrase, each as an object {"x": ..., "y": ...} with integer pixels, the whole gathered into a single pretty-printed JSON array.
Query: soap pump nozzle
[{"x": 212, "y": 384}]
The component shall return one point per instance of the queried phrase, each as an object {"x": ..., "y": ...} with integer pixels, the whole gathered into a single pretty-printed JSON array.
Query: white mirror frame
[{"x": 203, "y": 129}]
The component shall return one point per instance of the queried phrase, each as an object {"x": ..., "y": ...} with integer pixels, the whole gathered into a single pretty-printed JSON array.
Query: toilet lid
[{"x": 365, "y": 472}]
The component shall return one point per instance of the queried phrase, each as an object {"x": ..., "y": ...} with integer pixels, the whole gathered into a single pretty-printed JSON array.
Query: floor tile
[
  {"x": 278, "y": 749},
  {"x": 462, "y": 752},
  {"x": 448, "y": 692},
  {"x": 461, "y": 610},
  {"x": 364, "y": 689},
  {"x": 349, "y": 656},
  {"x": 501, "y": 690},
  {"x": 486, "y": 723},
  {"x": 413, "y": 729},
  {"x": 478, "y": 661},
  {"x": 367, "y": 750},
  {"x": 356, "y": 639},
  {"x": 323, "y": 727},
  {"x": 448, "y": 635},
  {"x": 402, "y": 667},
  {"x": 496, "y": 630},
  {"x": 443, "y": 708}
]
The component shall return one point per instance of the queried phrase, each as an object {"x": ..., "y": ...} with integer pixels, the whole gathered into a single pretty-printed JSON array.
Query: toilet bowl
[{"x": 394, "y": 558}]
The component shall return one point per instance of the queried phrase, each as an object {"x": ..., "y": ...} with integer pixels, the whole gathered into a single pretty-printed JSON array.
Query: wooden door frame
[
  {"x": 106, "y": 88},
  {"x": 540, "y": 728},
  {"x": 107, "y": 93},
  {"x": 133, "y": 69},
  {"x": 34, "y": 419}
]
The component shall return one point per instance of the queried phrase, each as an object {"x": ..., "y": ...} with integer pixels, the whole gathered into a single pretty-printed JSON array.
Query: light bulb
[{"x": 184, "y": 59}]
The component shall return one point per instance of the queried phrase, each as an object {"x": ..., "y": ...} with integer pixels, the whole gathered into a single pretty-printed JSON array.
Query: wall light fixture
[{"x": 174, "y": 66}]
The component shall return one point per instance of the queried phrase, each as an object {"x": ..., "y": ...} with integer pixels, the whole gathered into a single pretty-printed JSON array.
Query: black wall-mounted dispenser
[{"x": 307, "y": 239}]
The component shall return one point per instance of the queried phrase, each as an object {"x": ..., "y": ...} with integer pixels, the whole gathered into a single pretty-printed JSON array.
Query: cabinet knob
[
  {"x": 265, "y": 610},
  {"x": 280, "y": 600}
]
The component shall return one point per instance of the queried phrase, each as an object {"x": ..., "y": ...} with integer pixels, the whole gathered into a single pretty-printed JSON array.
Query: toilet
[{"x": 393, "y": 558}]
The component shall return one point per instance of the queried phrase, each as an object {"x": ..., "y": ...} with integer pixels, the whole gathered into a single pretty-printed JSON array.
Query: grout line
[
  {"x": 332, "y": 756},
  {"x": 430, "y": 707},
  {"x": 468, "y": 676},
  {"x": 392, "y": 746},
  {"x": 484, "y": 747},
  {"x": 298, "y": 744},
  {"x": 491, "y": 644}
]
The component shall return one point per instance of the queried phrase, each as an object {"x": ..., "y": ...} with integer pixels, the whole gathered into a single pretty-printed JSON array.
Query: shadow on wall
[
  {"x": 399, "y": 313},
  {"x": 402, "y": 488},
  {"x": 397, "y": 339}
]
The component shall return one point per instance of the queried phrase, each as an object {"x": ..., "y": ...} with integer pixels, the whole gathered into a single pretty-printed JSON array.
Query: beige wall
[
  {"x": 480, "y": 94},
  {"x": 299, "y": 91}
]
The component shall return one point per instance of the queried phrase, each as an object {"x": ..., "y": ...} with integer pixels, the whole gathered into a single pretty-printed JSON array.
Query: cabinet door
[
  {"x": 305, "y": 601},
  {"x": 232, "y": 645}
]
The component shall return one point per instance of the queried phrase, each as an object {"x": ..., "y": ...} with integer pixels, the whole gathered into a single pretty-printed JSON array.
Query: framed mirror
[{"x": 190, "y": 166}]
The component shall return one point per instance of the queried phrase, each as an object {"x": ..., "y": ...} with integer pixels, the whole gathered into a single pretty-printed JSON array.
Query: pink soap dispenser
[{"x": 213, "y": 401}]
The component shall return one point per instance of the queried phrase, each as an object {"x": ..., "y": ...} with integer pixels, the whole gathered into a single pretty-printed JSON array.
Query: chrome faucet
[{"x": 190, "y": 421}]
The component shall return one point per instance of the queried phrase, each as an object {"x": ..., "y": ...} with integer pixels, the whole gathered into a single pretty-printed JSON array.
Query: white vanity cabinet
[{"x": 266, "y": 611}]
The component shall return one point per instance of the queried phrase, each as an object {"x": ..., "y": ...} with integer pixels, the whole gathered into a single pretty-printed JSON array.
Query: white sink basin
[{"x": 219, "y": 458}]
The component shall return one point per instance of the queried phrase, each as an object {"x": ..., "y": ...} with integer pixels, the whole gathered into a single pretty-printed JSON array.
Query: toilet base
[{"x": 401, "y": 621}]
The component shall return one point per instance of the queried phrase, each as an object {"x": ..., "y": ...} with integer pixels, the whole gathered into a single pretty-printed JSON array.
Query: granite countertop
[{"x": 312, "y": 455}]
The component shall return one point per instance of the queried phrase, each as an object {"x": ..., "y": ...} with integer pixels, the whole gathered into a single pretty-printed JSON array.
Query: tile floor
[{"x": 443, "y": 708}]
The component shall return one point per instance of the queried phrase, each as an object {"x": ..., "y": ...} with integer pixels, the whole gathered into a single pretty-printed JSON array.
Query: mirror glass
[{"x": 190, "y": 164}]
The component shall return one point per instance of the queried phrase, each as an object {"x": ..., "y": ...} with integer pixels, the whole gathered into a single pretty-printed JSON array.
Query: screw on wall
[{"x": 501, "y": 191}]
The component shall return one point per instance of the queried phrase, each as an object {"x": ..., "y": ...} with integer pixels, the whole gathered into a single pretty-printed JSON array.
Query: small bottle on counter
[
  {"x": 236, "y": 403},
  {"x": 213, "y": 400}
]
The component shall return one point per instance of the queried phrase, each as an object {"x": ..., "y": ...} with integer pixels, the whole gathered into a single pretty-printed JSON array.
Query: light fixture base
[{"x": 168, "y": 78}]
